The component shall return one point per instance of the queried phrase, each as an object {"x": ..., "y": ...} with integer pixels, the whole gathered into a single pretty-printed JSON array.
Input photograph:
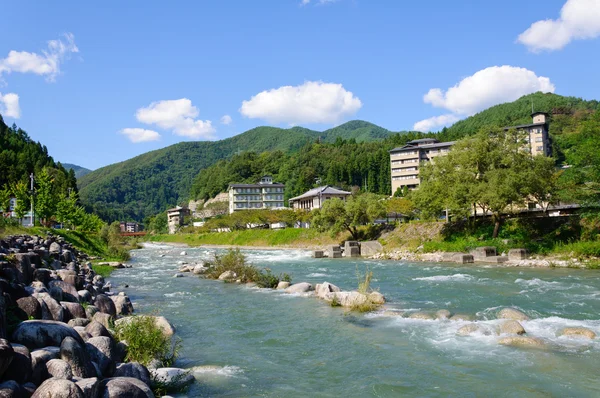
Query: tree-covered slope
[
  {"x": 358, "y": 130},
  {"x": 79, "y": 171}
]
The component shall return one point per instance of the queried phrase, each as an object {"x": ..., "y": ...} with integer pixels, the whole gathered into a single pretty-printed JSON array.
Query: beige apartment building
[
  {"x": 405, "y": 161},
  {"x": 264, "y": 195}
]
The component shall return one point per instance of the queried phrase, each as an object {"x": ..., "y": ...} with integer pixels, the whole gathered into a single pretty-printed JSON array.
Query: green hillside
[
  {"x": 79, "y": 171},
  {"x": 148, "y": 183}
]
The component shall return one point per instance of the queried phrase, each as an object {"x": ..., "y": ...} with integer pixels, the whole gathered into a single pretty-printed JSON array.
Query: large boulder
[
  {"x": 30, "y": 307},
  {"x": 58, "y": 388},
  {"x": 82, "y": 322},
  {"x": 133, "y": 369},
  {"x": 167, "y": 328},
  {"x": 59, "y": 369},
  {"x": 69, "y": 292},
  {"x": 227, "y": 276},
  {"x": 124, "y": 387},
  {"x": 96, "y": 329},
  {"x": 103, "y": 319},
  {"x": 442, "y": 315},
  {"x": 172, "y": 379},
  {"x": 3, "y": 332},
  {"x": 102, "y": 351},
  {"x": 89, "y": 386},
  {"x": 74, "y": 310},
  {"x": 39, "y": 334},
  {"x": 322, "y": 289},
  {"x": 122, "y": 304},
  {"x": 55, "y": 248},
  {"x": 74, "y": 353},
  {"x": 105, "y": 305},
  {"x": 522, "y": 341},
  {"x": 24, "y": 267},
  {"x": 302, "y": 287},
  {"x": 511, "y": 327},
  {"x": 51, "y": 309},
  {"x": 468, "y": 329},
  {"x": 578, "y": 332},
  {"x": 6, "y": 356},
  {"x": 282, "y": 285},
  {"x": 376, "y": 298},
  {"x": 512, "y": 314},
  {"x": 10, "y": 389},
  {"x": 20, "y": 367}
]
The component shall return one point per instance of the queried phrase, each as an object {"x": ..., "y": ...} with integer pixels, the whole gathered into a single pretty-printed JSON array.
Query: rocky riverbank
[{"x": 57, "y": 321}]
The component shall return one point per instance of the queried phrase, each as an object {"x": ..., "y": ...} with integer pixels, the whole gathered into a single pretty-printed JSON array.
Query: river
[{"x": 265, "y": 343}]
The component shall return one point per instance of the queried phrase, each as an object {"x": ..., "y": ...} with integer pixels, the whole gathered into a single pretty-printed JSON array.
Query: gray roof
[
  {"x": 275, "y": 184},
  {"x": 522, "y": 126},
  {"x": 422, "y": 140},
  {"x": 426, "y": 146},
  {"x": 326, "y": 190}
]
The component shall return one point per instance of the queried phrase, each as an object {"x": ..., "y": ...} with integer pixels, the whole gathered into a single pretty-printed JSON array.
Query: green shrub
[
  {"x": 146, "y": 341},
  {"x": 235, "y": 261},
  {"x": 103, "y": 270}
]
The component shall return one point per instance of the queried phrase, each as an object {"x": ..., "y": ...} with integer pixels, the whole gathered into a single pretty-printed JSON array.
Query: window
[
  {"x": 409, "y": 177},
  {"x": 540, "y": 148},
  {"x": 539, "y": 139}
]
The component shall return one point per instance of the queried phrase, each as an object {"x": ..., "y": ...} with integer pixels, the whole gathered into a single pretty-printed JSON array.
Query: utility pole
[{"x": 31, "y": 214}]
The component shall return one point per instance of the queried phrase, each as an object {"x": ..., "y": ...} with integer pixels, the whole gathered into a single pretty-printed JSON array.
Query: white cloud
[
  {"x": 311, "y": 102},
  {"x": 46, "y": 64},
  {"x": 226, "y": 120},
  {"x": 137, "y": 135},
  {"x": 579, "y": 19},
  {"x": 489, "y": 86},
  {"x": 433, "y": 123},
  {"x": 9, "y": 105},
  {"x": 178, "y": 116}
]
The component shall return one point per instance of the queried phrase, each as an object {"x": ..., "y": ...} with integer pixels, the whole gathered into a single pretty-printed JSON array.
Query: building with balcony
[
  {"x": 264, "y": 195},
  {"x": 315, "y": 198},
  {"x": 537, "y": 134}
]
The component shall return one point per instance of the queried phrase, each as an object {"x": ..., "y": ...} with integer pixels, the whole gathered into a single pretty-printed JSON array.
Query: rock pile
[{"x": 55, "y": 316}]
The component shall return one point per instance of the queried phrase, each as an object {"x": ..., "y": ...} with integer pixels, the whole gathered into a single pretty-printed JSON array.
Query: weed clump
[
  {"x": 146, "y": 341},
  {"x": 364, "y": 288},
  {"x": 235, "y": 262}
]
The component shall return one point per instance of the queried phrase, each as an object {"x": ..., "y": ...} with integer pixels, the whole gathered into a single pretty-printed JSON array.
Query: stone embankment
[{"x": 56, "y": 316}]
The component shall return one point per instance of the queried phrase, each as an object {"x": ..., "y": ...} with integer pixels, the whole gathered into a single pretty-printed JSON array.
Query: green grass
[
  {"x": 103, "y": 270},
  {"x": 578, "y": 249},
  {"x": 290, "y": 237}
]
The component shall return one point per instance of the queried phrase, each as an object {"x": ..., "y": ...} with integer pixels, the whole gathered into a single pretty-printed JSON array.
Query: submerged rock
[
  {"x": 578, "y": 332},
  {"x": 511, "y": 327},
  {"x": 302, "y": 287},
  {"x": 513, "y": 314},
  {"x": 522, "y": 341},
  {"x": 469, "y": 329},
  {"x": 462, "y": 317},
  {"x": 442, "y": 314},
  {"x": 421, "y": 315}
]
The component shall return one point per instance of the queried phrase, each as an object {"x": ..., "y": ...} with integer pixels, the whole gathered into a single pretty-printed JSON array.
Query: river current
[{"x": 249, "y": 342}]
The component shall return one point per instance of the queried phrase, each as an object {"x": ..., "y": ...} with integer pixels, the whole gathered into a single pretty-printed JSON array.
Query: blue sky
[{"x": 161, "y": 72}]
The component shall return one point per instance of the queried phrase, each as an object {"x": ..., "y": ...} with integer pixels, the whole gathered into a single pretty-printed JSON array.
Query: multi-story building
[
  {"x": 264, "y": 195},
  {"x": 315, "y": 198},
  {"x": 130, "y": 227},
  {"x": 405, "y": 160}
]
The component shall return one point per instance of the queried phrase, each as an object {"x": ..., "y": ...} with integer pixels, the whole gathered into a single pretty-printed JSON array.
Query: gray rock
[
  {"x": 90, "y": 311},
  {"x": 39, "y": 334},
  {"x": 59, "y": 369},
  {"x": 442, "y": 314},
  {"x": 102, "y": 351},
  {"x": 85, "y": 336},
  {"x": 173, "y": 379},
  {"x": 376, "y": 298},
  {"x": 3, "y": 332},
  {"x": 79, "y": 322},
  {"x": 24, "y": 267},
  {"x": 74, "y": 310},
  {"x": 105, "y": 305},
  {"x": 468, "y": 329},
  {"x": 102, "y": 318},
  {"x": 58, "y": 388},
  {"x": 10, "y": 389},
  {"x": 28, "y": 389},
  {"x": 6, "y": 356},
  {"x": 39, "y": 358},
  {"x": 580, "y": 332},
  {"x": 51, "y": 309},
  {"x": 421, "y": 315},
  {"x": 74, "y": 353},
  {"x": 122, "y": 304},
  {"x": 511, "y": 327},
  {"x": 167, "y": 328},
  {"x": 199, "y": 269},
  {"x": 89, "y": 386},
  {"x": 20, "y": 367},
  {"x": 124, "y": 387},
  {"x": 96, "y": 329},
  {"x": 322, "y": 289},
  {"x": 462, "y": 317},
  {"x": 522, "y": 341},
  {"x": 302, "y": 287},
  {"x": 227, "y": 276},
  {"x": 69, "y": 292},
  {"x": 30, "y": 306},
  {"x": 133, "y": 369},
  {"x": 282, "y": 285},
  {"x": 84, "y": 296},
  {"x": 55, "y": 248}
]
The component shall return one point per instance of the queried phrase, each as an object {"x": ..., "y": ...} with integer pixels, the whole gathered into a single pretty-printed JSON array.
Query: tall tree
[{"x": 45, "y": 200}]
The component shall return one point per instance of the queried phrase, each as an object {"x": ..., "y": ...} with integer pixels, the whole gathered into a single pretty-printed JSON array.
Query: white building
[
  {"x": 264, "y": 195},
  {"x": 315, "y": 198}
]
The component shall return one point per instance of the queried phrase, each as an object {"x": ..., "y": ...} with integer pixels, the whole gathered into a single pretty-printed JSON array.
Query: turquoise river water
[{"x": 265, "y": 343}]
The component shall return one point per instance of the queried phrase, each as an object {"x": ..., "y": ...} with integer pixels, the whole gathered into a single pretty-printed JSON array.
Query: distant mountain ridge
[
  {"x": 79, "y": 171},
  {"x": 146, "y": 184}
]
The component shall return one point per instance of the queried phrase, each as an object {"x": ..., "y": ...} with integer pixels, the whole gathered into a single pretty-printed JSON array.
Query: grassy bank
[{"x": 290, "y": 237}]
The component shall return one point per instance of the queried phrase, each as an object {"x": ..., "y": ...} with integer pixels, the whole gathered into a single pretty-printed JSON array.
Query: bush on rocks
[{"x": 234, "y": 263}]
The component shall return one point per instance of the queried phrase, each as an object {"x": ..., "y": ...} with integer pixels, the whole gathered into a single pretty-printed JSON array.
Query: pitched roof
[
  {"x": 325, "y": 190},
  {"x": 426, "y": 146}
]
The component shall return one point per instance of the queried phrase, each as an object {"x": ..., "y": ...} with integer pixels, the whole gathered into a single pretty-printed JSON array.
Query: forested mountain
[
  {"x": 79, "y": 171},
  {"x": 20, "y": 156},
  {"x": 352, "y": 154},
  {"x": 148, "y": 183}
]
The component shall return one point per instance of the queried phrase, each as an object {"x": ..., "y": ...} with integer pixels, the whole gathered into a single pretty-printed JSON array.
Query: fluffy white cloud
[
  {"x": 138, "y": 135},
  {"x": 433, "y": 123},
  {"x": 226, "y": 120},
  {"x": 311, "y": 102},
  {"x": 489, "y": 86},
  {"x": 176, "y": 115},
  {"x": 9, "y": 105},
  {"x": 579, "y": 19},
  {"x": 46, "y": 64}
]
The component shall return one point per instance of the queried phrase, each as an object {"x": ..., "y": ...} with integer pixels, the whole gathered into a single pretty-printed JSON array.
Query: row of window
[
  {"x": 410, "y": 177},
  {"x": 401, "y": 169},
  {"x": 258, "y": 190},
  {"x": 257, "y": 197},
  {"x": 396, "y": 162},
  {"x": 258, "y": 205},
  {"x": 405, "y": 153}
]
